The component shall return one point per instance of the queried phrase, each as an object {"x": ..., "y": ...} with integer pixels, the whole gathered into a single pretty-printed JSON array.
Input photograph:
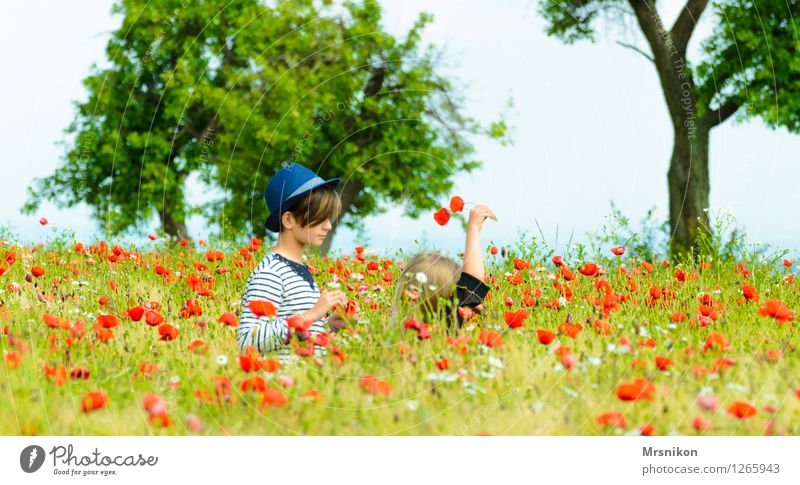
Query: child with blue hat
[{"x": 301, "y": 207}]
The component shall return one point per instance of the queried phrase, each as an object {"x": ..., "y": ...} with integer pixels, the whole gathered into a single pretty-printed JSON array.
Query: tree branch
[
  {"x": 636, "y": 49},
  {"x": 685, "y": 24},
  {"x": 719, "y": 115},
  {"x": 650, "y": 23}
]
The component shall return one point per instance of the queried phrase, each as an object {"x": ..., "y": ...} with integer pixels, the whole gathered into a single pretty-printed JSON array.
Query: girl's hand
[{"x": 477, "y": 215}]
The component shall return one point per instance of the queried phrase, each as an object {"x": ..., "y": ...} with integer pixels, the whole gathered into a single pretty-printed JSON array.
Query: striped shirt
[{"x": 289, "y": 286}]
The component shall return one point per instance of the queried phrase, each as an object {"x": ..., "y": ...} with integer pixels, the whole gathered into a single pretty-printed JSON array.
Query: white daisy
[{"x": 222, "y": 359}]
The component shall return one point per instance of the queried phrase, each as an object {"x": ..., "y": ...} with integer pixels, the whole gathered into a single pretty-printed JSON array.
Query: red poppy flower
[
  {"x": 374, "y": 386},
  {"x": 570, "y": 329},
  {"x": 589, "y": 269},
  {"x": 701, "y": 424},
  {"x": 618, "y": 250},
  {"x": 521, "y": 264},
  {"x": 257, "y": 384},
  {"x": 57, "y": 373},
  {"x": 412, "y": 323},
  {"x": 639, "y": 388},
  {"x": 152, "y": 236},
  {"x": 456, "y": 204},
  {"x": 198, "y": 347},
  {"x": 43, "y": 221},
  {"x": 152, "y": 403},
  {"x": 270, "y": 365},
  {"x": 311, "y": 395},
  {"x": 515, "y": 319},
  {"x": 749, "y": 293},
  {"x": 776, "y": 309},
  {"x": 13, "y": 359},
  {"x": 545, "y": 336},
  {"x": 228, "y": 319},
  {"x": 93, "y": 400},
  {"x": 441, "y": 216},
  {"x": 490, "y": 338},
  {"x": 298, "y": 323},
  {"x": 37, "y": 271},
  {"x": 136, "y": 313},
  {"x": 568, "y": 359},
  {"x": 104, "y": 334},
  {"x": 54, "y": 322},
  {"x": 443, "y": 364},
  {"x": 107, "y": 321},
  {"x": 664, "y": 363},
  {"x": 153, "y": 318},
  {"x": 612, "y": 418},
  {"x": 262, "y": 308},
  {"x": 191, "y": 307},
  {"x": 678, "y": 317},
  {"x": 79, "y": 373},
  {"x": 273, "y": 397},
  {"x": 741, "y": 409},
  {"x": 716, "y": 341},
  {"x": 168, "y": 332},
  {"x": 249, "y": 361}
]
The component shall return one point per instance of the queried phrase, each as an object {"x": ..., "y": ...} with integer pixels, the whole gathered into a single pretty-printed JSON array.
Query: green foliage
[
  {"x": 751, "y": 60},
  {"x": 230, "y": 91},
  {"x": 572, "y": 20},
  {"x": 648, "y": 242}
]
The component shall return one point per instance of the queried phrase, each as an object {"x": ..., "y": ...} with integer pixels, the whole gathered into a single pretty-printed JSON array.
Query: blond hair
[{"x": 433, "y": 276}]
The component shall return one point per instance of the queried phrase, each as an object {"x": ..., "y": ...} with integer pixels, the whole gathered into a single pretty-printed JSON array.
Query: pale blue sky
[{"x": 590, "y": 125}]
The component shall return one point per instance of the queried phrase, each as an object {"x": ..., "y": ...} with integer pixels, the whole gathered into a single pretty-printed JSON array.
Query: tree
[
  {"x": 231, "y": 91},
  {"x": 749, "y": 67}
]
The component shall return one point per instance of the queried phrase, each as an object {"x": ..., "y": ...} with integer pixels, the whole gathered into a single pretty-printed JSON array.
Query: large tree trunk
[
  {"x": 687, "y": 178},
  {"x": 688, "y": 183},
  {"x": 350, "y": 191},
  {"x": 172, "y": 225}
]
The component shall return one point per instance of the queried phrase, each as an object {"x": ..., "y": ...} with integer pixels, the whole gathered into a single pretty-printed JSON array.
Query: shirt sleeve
[
  {"x": 264, "y": 333},
  {"x": 470, "y": 292}
]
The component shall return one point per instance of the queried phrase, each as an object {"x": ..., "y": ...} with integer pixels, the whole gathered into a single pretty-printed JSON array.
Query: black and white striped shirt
[{"x": 289, "y": 286}]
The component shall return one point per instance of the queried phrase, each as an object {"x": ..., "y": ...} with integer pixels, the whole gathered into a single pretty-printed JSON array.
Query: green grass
[{"x": 518, "y": 388}]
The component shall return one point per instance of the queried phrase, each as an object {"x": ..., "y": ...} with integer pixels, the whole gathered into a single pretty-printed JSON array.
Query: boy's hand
[
  {"x": 327, "y": 300},
  {"x": 478, "y": 214}
]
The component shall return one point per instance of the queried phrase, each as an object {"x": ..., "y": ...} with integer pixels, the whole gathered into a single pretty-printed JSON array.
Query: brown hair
[
  {"x": 441, "y": 275},
  {"x": 316, "y": 207}
]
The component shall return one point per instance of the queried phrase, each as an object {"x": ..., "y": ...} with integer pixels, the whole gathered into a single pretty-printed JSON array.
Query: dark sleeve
[{"x": 470, "y": 291}]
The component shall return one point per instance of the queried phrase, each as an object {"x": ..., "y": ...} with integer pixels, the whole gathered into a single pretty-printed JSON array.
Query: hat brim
[{"x": 274, "y": 219}]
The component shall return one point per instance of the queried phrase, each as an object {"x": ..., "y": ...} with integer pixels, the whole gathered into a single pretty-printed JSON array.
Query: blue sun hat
[{"x": 288, "y": 186}]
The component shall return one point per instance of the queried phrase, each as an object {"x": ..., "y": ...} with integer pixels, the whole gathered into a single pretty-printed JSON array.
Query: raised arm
[{"x": 473, "y": 258}]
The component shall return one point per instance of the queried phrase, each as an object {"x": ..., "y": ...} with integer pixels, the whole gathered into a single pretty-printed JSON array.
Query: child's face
[{"x": 308, "y": 235}]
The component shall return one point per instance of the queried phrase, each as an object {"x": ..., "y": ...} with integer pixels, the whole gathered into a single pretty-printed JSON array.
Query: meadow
[{"x": 98, "y": 339}]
